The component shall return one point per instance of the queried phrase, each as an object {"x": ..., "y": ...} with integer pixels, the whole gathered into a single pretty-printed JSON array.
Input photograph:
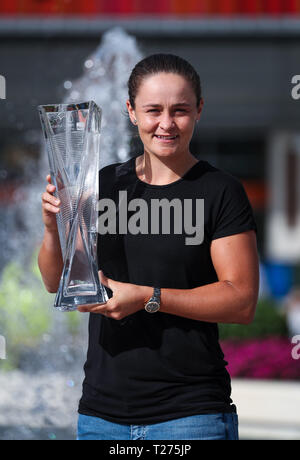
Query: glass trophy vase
[{"x": 72, "y": 137}]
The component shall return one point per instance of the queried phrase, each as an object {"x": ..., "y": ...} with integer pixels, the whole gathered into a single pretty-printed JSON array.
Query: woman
[{"x": 186, "y": 261}]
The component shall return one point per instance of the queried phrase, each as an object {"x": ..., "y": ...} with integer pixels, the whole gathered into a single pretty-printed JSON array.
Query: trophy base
[{"x": 71, "y": 303}]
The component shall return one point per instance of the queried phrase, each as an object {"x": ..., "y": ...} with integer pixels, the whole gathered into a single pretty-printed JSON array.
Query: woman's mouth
[{"x": 166, "y": 138}]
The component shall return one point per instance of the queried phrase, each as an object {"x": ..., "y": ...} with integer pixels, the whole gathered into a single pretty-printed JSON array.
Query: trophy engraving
[{"x": 72, "y": 137}]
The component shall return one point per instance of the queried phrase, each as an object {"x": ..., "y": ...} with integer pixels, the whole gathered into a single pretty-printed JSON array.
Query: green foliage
[
  {"x": 269, "y": 321},
  {"x": 72, "y": 319},
  {"x": 24, "y": 309}
]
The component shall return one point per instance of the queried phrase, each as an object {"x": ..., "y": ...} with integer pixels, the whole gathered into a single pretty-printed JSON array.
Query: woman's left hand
[{"x": 127, "y": 299}]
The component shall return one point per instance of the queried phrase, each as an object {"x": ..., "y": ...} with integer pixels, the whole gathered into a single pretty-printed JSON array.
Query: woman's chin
[{"x": 165, "y": 151}]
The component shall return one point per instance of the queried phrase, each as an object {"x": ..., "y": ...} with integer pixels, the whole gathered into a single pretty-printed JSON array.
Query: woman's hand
[
  {"x": 50, "y": 207},
  {"x": 127, "y": 299}
]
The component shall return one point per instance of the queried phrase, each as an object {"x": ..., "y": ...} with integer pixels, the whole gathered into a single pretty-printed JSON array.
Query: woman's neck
[{"x": 163, "y": 170}]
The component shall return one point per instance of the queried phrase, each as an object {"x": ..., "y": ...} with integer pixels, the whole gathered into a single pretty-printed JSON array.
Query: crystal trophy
[{"x": 72, "y": 137}]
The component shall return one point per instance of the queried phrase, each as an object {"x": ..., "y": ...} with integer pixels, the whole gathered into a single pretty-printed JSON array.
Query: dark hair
[{"x": 168, "y": 63}]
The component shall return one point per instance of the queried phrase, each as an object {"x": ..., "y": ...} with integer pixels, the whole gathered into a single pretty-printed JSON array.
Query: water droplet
[
  {"x": 67, "y": 84},
  {"x": 74, "y": 95},
  {"x": 63, "y": 348},
  {"x": 101, "y": 71},
  {"x": 46, "y": 338},
  {"x": 3, "y": 174},
  {"x": 88, "y": 63}
]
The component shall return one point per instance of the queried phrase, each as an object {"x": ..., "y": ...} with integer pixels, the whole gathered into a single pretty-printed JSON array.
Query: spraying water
[{"x": 104, "y": 80}]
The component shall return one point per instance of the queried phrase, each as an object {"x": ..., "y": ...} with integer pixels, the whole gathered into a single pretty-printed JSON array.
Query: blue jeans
[{"x": 208, "y": 426}]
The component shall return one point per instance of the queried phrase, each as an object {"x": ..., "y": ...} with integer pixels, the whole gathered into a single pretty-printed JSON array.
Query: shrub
[
  {"x": 269, "y": 321},
  {"x": 24, "y": 316}
]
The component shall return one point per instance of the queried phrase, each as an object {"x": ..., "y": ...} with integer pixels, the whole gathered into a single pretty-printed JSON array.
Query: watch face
[{"x": 152, "y": 307}]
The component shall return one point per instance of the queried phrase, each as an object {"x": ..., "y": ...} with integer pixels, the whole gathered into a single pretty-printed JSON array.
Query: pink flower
[{"x": 265, "y": 358}]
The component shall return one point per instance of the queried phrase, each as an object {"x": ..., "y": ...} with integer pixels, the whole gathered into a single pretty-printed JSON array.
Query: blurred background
[{"x": 248, "y": 56}]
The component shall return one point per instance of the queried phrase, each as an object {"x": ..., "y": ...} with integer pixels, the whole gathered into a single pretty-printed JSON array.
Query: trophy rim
[{"x": 68, "y": 107}]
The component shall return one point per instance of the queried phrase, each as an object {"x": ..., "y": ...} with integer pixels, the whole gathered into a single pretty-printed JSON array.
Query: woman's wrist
[
  {"x": 146, "y": 293},
  {"x": 51, "y": 240}
]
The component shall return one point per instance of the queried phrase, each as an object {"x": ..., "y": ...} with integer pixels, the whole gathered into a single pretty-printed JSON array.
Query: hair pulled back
[{"x": 157, "y": 63}]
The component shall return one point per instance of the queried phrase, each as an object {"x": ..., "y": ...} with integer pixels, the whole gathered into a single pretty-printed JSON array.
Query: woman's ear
[
  {"x": 200, "y": 108},
  {"x": 131, "y": 112}
]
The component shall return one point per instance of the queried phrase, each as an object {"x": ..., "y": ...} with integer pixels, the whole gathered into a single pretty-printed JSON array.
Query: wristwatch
[{"x": 153, "y": 304}]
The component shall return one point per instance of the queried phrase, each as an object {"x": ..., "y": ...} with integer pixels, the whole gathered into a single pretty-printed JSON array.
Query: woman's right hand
[{"x": 50, "y": 207}]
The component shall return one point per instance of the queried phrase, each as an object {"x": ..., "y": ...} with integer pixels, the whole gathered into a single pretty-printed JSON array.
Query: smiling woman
[
  {"x": 155, "y": 368},
  {"x": 165, "y": 110}
]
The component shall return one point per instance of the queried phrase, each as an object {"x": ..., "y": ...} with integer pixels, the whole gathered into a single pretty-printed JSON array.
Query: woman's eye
[{"x": 157, "y": 111}]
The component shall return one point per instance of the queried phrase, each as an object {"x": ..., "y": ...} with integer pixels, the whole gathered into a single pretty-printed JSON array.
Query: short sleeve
[{"x": 232, "y": 212}]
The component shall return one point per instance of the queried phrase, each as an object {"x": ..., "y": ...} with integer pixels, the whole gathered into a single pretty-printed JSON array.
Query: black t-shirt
[{"x": 151, "y": 368}]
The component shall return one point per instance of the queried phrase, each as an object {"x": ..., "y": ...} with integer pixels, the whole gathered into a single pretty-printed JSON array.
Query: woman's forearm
[
  {"x": 219, "y": 302},
  {"x": 50, "y": 261}
]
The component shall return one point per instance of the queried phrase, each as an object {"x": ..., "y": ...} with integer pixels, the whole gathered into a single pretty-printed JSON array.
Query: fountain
[{"x": 40, "y": 381}]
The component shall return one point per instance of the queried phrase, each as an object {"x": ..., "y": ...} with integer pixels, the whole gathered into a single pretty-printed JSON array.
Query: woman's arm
[
  {"x": 50, "y": 261},
  {"x": 232, "y": 299},
  {"x": 50, "y": 258}
]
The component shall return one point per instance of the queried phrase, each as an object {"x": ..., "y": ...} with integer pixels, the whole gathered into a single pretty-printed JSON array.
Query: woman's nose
[{"x": 166, "y": 122}]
